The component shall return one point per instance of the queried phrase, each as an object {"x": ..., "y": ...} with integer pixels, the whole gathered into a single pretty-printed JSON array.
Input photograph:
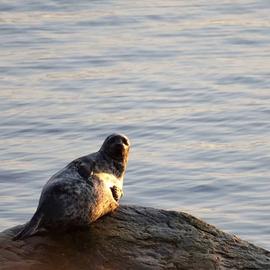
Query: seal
[{"x": 86, "y": 189}]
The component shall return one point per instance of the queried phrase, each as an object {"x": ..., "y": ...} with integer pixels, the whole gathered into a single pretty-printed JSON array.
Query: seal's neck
[
  {"x": 120, "y": 169},
  {"x": 117, "y": 167}
]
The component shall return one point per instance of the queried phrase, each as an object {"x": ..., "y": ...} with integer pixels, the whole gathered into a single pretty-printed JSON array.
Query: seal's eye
[{"x": 112, "y": 140}]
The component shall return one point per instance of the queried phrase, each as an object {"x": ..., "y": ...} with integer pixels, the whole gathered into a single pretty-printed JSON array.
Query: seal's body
[{"x": 86, "y": 189}]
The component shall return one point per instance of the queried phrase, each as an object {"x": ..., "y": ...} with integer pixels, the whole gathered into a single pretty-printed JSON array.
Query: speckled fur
[{"x": 86, "y": 189}]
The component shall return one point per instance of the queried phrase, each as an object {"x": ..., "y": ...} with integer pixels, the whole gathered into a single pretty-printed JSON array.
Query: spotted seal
[{"x": 86, "y": 189}]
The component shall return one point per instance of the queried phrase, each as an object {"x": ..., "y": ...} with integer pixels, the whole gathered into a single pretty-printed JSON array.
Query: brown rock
[{"x": 134, "y": 238}]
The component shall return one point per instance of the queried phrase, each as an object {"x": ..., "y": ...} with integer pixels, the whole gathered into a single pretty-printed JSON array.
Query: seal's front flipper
[
  {"x": 30, "y": 228},
  {"x": 117, "y": 193}
]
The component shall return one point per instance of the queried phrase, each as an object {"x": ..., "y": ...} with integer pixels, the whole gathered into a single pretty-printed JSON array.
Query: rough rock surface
[{"x": 134, "y": 238}]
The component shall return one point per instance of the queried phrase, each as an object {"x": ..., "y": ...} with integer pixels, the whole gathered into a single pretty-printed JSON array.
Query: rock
[{"x": 134, "y": 238}]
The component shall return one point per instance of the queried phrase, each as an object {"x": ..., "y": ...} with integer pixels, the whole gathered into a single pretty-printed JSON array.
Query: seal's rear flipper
[{"x": 29, "y": 229}]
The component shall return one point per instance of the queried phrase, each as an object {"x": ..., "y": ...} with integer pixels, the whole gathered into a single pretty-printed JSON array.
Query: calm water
[{"x": 187, "y": 81}]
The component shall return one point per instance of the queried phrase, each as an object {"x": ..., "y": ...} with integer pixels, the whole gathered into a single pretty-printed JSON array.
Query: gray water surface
[{"x": 187, "y": 81}]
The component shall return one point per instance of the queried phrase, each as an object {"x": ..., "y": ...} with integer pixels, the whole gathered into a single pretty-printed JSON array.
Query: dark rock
[{"x": 134, "y": 238}]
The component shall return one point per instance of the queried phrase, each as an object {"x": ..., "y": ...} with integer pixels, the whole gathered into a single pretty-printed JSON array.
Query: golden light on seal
[{"x": 86, "y": 189}]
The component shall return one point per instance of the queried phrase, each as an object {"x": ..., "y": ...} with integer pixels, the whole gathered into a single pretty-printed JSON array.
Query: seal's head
[{"x": 116, "y": 146}]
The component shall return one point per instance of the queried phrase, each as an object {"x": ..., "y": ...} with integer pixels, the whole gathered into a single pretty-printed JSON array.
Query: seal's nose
[{"x": 125, "y": 141}]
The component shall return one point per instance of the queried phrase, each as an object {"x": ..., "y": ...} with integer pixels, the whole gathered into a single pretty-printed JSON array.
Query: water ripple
[{"x": 188, "y": 82}]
